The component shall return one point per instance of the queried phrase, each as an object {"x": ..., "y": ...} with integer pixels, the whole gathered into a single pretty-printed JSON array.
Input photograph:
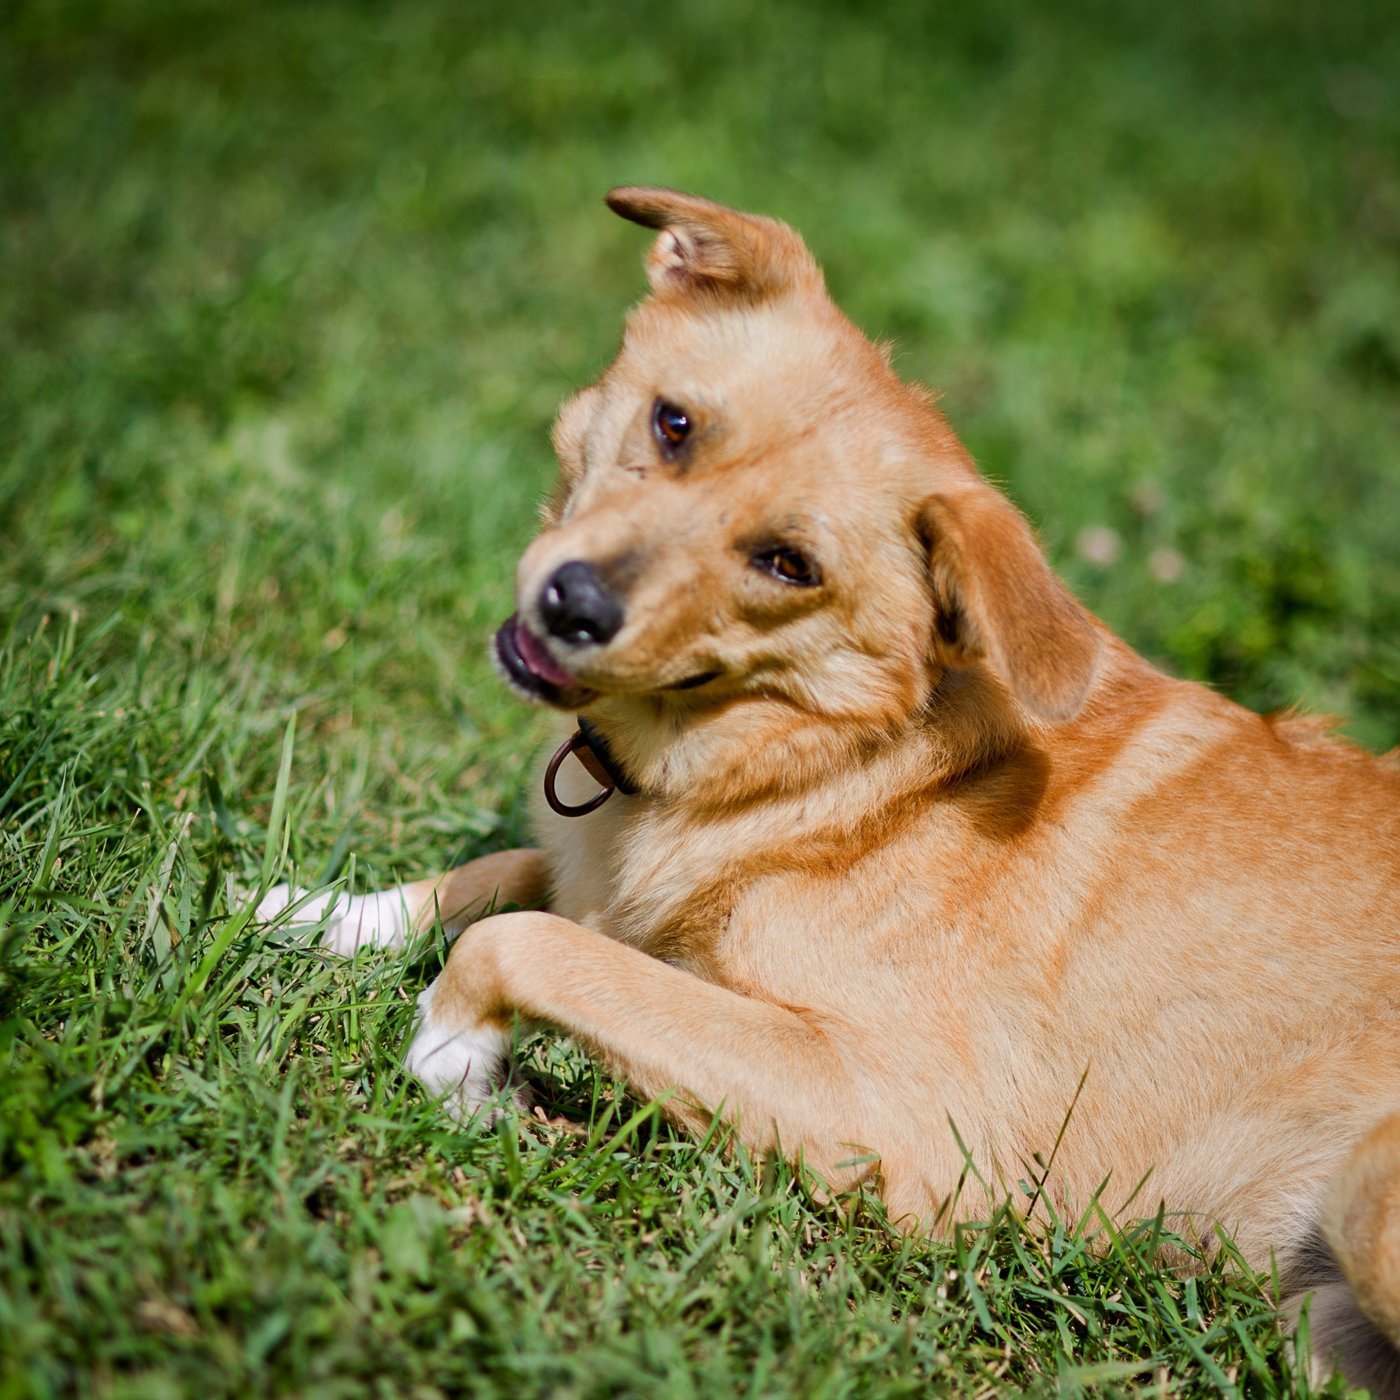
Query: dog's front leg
[
  {"x": 390, "y": 918},
  {"x": 763, "y": 1067}
]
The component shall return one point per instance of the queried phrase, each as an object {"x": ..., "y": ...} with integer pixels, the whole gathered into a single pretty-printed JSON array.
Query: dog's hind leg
[
  {"x": 390, "y": 918},
  {"x": 1355, "y": 1320}
]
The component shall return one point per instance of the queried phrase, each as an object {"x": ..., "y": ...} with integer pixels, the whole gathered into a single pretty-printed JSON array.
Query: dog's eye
[
  {"x": 670, "y": 424},
  {"x": 788, "y": 565}
]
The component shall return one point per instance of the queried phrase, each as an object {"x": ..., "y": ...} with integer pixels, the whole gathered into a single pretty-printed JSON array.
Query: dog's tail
[{"x": 1354, "y": 1318}]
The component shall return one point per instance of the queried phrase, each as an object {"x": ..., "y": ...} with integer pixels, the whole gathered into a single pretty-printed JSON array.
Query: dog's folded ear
[
  {"x": 706, "y": 249},
  {"x": 999, "y": 602}
]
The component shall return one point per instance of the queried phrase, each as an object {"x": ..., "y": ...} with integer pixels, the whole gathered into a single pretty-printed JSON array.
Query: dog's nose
[{"x": 577, "y": 606}]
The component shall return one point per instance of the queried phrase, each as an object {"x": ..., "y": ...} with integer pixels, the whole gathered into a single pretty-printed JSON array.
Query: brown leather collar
[{"x": 595, "y": 755}]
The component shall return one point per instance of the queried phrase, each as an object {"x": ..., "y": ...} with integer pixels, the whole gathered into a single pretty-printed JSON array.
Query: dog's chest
[
  {"x": 740, "y": 901},
  {"x": 637, "y": 876}
]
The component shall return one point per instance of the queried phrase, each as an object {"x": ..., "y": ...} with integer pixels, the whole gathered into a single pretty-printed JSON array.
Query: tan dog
[{"x": 915, "y": 840}]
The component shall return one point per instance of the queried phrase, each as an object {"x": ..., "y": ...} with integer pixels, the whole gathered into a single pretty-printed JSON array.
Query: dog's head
[{"x": 753, "y": 507}]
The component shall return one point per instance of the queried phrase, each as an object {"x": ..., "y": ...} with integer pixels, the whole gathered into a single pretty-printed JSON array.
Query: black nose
[{"x": 577, "y": 606}]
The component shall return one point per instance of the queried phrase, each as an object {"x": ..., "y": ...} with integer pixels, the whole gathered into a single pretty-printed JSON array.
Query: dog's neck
[{"x": 757, "y": 749}]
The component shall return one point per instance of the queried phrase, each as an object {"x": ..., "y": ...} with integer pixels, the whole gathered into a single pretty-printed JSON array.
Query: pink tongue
[{"x": 538, "y": 659}]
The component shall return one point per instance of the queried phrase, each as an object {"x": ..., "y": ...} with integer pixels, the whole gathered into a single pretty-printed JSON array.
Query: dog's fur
[{"x": 922, "y": 844}]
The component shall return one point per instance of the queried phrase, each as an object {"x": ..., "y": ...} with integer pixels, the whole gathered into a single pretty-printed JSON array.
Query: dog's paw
[
  {"x": 347, "y": 922},
  {"x": 309, "y": 912},
  {"x": 462, "y": 1066}
]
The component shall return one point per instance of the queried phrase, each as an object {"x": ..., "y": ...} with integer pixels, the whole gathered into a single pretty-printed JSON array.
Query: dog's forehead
[
  {"x": 793, "y": 387},
  {"x": 795, "y": 351}
]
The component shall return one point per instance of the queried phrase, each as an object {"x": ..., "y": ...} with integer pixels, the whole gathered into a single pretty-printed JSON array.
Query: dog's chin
[{"x": 532, "y": 673}]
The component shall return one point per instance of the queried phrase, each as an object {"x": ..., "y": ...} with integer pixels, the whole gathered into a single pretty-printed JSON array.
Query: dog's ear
[
  {"x": 999, "y": 602},
  {"x": 569, "y": 436},
  {"x": 570, "y": 431},
  {"x": 709, "y": 250}
]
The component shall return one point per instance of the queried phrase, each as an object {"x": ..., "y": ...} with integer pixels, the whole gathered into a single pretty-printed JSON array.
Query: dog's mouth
[
  {"x": 533, "y": 672},
  {"x": 530, "y": 668}
]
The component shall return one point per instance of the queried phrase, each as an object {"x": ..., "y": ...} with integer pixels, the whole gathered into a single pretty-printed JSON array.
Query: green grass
[{"x": 288, "y": 294}]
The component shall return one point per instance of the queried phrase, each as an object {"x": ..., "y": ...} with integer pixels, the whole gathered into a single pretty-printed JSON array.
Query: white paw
[
  {"x": 463, "y": 1067},
  {"x": 351, "y": 921},
  {"x": 307, "y": 915}
]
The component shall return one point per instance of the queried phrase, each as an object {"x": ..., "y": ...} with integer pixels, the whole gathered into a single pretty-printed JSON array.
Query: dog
[{"x": 872, "y": 841}]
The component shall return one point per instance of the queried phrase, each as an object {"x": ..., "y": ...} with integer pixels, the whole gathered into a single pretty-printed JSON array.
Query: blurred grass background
[{"x": 288, "y": 295}]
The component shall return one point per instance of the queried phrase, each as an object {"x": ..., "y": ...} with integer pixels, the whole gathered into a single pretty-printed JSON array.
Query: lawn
[{"x": 288, "y": 294}]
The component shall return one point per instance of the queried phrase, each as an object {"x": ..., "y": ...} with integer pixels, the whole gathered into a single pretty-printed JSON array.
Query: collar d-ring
[{"x": 597, "y": 758}]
